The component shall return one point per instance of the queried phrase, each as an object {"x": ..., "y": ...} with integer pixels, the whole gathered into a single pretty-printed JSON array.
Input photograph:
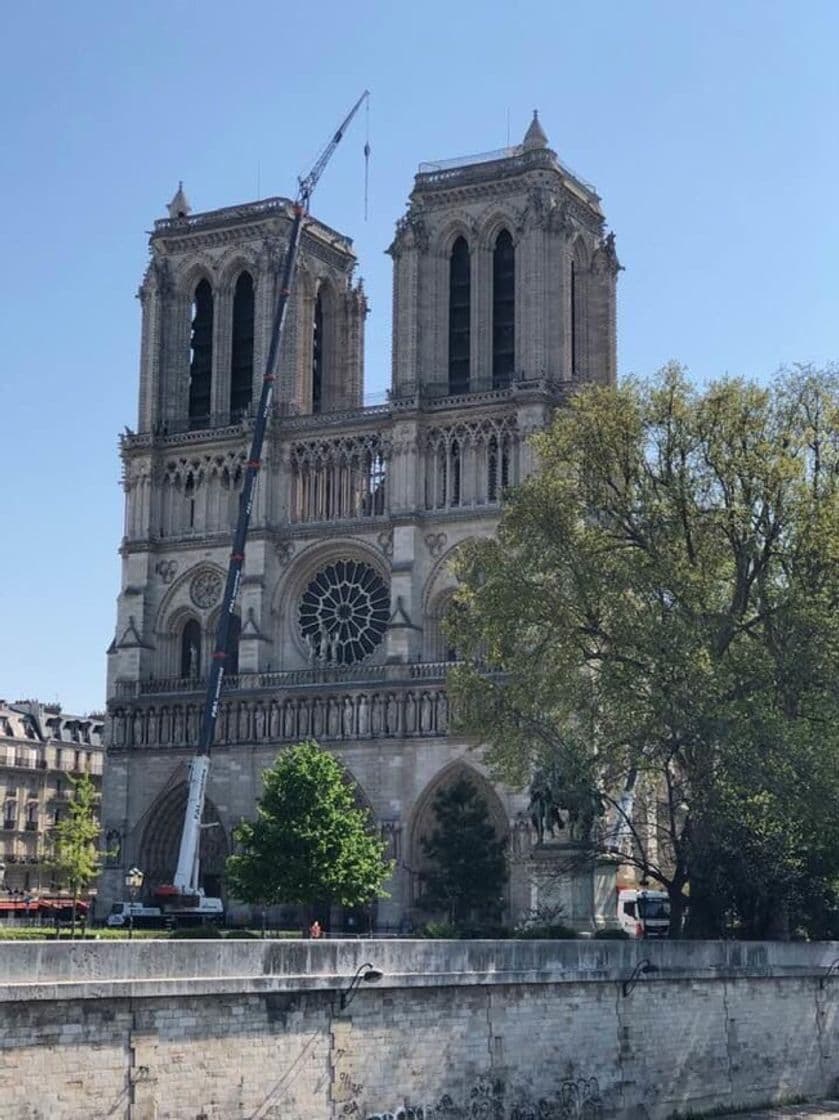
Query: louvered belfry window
[
  {"x": 503, "y": 310},
  {"x": 317, "y": 356},
  {"x": 201, "y": 364},
  {"x": 459, "y": 317},
  {"x": 241, "y": 357}
]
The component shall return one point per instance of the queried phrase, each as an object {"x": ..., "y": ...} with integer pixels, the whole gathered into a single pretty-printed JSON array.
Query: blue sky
[{"x": 708, "y": 128}]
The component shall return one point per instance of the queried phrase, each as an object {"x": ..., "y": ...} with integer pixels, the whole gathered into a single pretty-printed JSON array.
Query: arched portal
[
  {"x": 424, "y": 822},
  {"x": 158, "y": 856}
]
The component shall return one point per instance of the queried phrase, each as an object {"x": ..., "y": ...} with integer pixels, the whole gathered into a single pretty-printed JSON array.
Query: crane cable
[{"x": 366, "y": 153}]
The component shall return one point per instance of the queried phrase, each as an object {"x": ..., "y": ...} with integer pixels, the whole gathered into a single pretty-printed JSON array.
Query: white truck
[
  {"x": 643, "y": 913},
  {"x": 205, "y": 911}
]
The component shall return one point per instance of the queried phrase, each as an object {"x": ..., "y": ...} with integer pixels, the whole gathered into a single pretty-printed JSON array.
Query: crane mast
[{"x": 187, "y": 872}]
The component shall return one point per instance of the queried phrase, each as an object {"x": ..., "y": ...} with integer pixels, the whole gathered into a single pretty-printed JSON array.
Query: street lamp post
[{"x": 134, "y": 882}]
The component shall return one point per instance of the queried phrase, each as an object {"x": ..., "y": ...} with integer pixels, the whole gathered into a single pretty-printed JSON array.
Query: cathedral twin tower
[{"x": 504, "y": 299}]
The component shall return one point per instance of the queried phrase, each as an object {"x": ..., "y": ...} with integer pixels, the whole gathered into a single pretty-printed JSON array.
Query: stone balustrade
[{"x": 293, "y": 678}]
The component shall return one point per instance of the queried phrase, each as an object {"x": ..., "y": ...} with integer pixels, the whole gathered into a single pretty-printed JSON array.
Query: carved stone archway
[{"x": 158, "y": 854}]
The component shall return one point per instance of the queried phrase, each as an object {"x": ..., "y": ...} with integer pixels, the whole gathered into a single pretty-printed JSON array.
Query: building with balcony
[
  {"x": 503, "y": 302},
  {"x": 41, "y": 750}
]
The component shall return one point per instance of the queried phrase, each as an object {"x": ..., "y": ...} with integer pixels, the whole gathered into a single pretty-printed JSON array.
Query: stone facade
[
  {"x": 504, "y": 300},
  {"x": 41, "y": 749},
  {"x": 450, "y": 1030}
]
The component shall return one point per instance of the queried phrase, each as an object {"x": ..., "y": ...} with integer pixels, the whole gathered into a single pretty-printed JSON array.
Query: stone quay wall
[{"x": 208, "y": 1030}]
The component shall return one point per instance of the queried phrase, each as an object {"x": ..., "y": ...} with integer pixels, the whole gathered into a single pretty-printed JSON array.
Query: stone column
[
  {"x": 482, "y": 292},
  {"x": 530, "y": 302},
  {"x": 150, "y": 300},
  {"x": 405, "y": 355},
  {"x": 404, "y": 635},
  {"x": 404, "y": 485},
  {"x": 222, "y": 350}
]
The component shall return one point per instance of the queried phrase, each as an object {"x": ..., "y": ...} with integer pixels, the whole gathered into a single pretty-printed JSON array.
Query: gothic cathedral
[{"x": 503, "y": 301}]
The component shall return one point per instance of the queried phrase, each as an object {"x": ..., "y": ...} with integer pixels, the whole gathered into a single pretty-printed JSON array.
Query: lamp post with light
[{"x": 134, "y": 883}]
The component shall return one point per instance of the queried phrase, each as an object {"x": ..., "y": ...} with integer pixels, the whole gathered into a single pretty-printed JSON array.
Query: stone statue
[
  {"x": 113, "y": 847},
  {"x": 303, "y": 721},
  {"x": 259, "y": 722},
  {"x": 549, "y": 794},
  {"x": 392, "y": 715},
  {"x": 376, "y": 715},
  {"x": 410, "y": 713},
  {"x": 289, "y": 722},
  {"x": 334, "y": 718},
  {"x": 363, "y": 716},
  {"x": 426, "y": 714},
  {"x": 348, "y": 721},
  {"x": 193, "y": 659},
  {"x": 543, "y": 809}
]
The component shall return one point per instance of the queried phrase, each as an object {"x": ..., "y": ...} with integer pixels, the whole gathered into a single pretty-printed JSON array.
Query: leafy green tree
[
  {"x": 76, "y": 858},
  {"x": 467, "y": 869},
  {"x": 310, "y": 843},
  {"x": 656, "y": 626}
]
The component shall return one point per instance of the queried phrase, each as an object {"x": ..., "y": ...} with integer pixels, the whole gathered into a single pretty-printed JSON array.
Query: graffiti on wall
[{"x": 489, "y": 1099}]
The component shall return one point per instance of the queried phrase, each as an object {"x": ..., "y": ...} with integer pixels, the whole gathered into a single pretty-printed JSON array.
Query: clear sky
[{"x": 709, "y": 129}]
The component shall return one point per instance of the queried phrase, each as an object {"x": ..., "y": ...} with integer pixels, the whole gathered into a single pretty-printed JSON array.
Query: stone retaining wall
[{"x": 452, "y": 1030}]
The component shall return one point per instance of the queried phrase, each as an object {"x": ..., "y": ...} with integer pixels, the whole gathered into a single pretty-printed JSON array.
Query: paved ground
[{"x": 822, "y": 1110}]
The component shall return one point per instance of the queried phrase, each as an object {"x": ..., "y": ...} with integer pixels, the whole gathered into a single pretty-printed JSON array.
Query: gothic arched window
[
  {"x": 492, "y": 470},
  {"x": 201, "y": 363},
  {"x": 241, "y": 357},
  {"x": 460, "y": 310},
  {"x": 191, "y": 649},
  {"x": 503, "y": 310},
  {"x": 454, "y": 457},
  {"x": 317, "y": 355},
  {"x": 579, "y": 312},
  {"x": 574, "y": 334}
]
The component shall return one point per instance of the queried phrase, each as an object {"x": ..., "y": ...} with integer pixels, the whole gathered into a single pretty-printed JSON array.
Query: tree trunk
[{"x": 677, "y": 909}]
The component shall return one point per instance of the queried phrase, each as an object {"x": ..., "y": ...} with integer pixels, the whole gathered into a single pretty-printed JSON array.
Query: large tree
[
  {"x": 466, "y": 869},
  {"x": 310, "y": 843},
  {"x": 76, "y": 858},
  {"x": 655, "y": 627}
]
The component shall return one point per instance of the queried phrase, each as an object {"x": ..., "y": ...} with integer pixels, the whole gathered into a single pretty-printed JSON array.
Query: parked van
[{"x": 643, "y": 913}]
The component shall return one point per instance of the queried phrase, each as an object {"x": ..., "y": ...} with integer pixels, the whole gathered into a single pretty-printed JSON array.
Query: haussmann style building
[
  {"x": 503, "y": 301},
  {"x": 42, "y": 751}
]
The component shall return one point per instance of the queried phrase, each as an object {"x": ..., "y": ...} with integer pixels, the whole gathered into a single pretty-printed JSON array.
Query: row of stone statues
[{"x": 359, "y": 716}]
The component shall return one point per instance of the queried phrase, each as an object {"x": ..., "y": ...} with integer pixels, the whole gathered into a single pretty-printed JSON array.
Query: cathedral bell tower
[
  {"x": 208, "y": 298},
  {"x": 503, "y": 273}
]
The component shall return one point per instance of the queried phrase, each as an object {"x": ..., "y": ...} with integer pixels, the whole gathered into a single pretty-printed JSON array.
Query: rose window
[{"x": 343, "y": 613}]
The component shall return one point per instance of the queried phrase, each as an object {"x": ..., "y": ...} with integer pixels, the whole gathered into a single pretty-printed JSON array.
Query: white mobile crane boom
[{"x": 185, "y": 890}]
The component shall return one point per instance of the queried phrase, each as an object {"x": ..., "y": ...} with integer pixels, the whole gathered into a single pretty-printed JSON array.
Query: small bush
[
  {"x": 484, "y": 933},
  {"x": 196, "y": 933},
  {"x": 241, "y": 935},
  {"x": 556, "y": 932},
  {"x": 442, "y": 930},
  {"x": 612, "y": 935}
]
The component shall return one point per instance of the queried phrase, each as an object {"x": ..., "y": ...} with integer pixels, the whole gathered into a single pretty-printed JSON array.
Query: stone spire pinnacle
[
  {"x": 179, "y": 206},
  {"x": 535, "y": 136}
]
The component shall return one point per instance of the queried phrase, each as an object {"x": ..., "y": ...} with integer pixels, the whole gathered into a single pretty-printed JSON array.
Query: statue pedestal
[
  {"x": 561, "y": 878},
  {"x": 565, "y": 875},
  {"x": 605, "y": 909}
]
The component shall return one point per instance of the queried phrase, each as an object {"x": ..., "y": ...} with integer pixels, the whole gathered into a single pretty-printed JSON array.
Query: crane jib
[{"x": 186, "y": 876}]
